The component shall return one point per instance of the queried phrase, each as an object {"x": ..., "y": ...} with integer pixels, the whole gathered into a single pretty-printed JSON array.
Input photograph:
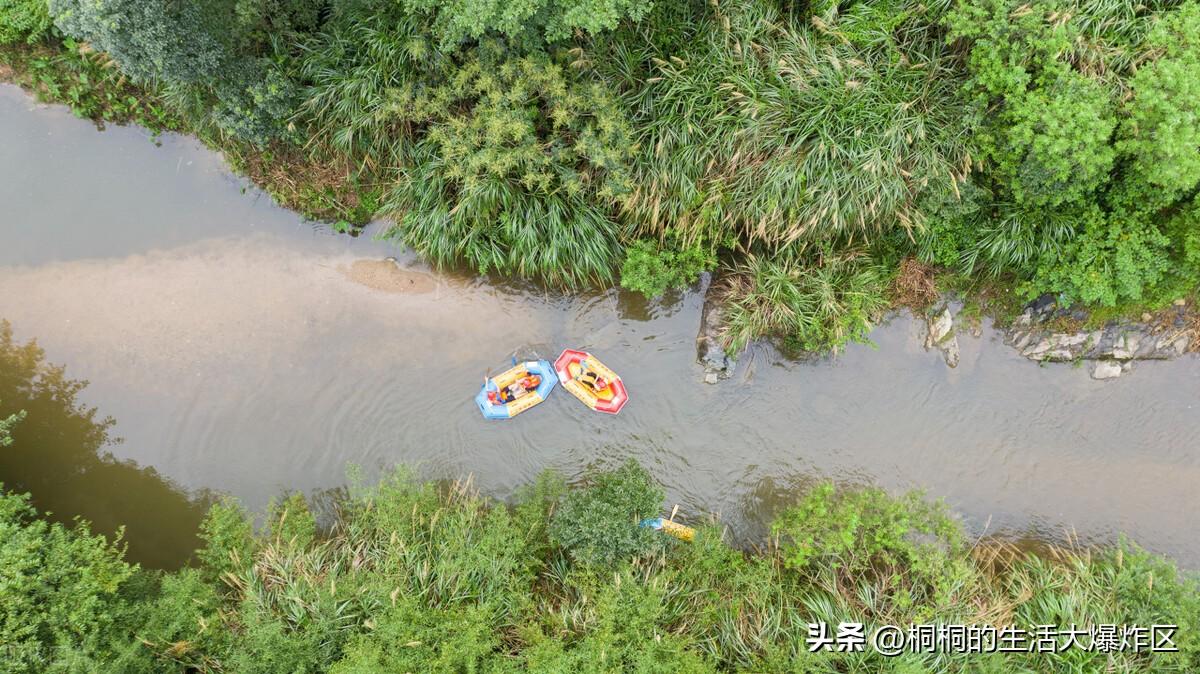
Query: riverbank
[
  {"x": 85, "y": 81},
  {"x": 404, "y": 576},
  {"x": 812, "y": 229}
]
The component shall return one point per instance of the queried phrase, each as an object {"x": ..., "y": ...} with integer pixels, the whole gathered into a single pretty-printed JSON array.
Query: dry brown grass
[
  {"x": 320, "y": 190},
  {"x": 915, "y": 285}
]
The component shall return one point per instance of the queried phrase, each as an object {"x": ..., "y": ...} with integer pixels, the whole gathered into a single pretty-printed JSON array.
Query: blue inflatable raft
[{"x": 493, "y": 409}]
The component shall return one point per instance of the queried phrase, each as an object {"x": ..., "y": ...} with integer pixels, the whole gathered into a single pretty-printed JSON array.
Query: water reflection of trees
[{"x": 59, "y": 455}]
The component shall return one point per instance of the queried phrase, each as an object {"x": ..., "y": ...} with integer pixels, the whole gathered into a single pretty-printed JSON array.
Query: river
[{"x": 241, "y": 350}]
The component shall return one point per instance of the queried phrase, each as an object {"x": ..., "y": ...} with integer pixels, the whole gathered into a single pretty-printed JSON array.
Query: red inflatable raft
[{"x": 591, "y": 381}]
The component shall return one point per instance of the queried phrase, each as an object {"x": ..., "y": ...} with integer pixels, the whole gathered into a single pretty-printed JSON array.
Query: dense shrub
[
  {"x": 25, "y": 21},
  {"x": 865, "y": 537},
  {"x": 653, "y": 268},
  {"x": 519, "y": 170},
  {"x": 59, "y": 590},
  {"x": 1161, "y": 133},
  {"x": 1112, "y": 258},
  {"x": 153, "y": 40},
  {"x": 598, "y": 524},
  {"x": 370, "y": 64},
  {"x": 221, "y": 61},
  {"x": 1088, "y": 137}
]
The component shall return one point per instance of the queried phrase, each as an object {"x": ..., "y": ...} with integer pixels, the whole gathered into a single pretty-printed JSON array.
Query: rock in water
[
  {"x": 1106, "y": 369},
  {"x": 709, "y": 350},
  {"x": 941, "y": 336},
  {"x": 939, "y": 328},
  {"x": 950, "y": 351}
]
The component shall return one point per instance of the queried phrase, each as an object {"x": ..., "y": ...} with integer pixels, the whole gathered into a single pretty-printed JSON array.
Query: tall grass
[
  {"x": 364, "y": 66},
  {"x": 766, "y": 129},
  {"x": 434, "y": 577},
  {"x": 814, "y": 302}
]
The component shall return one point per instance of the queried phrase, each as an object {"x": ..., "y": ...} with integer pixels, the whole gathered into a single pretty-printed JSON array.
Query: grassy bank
[
  {"x": 810, "y": 150},
  {"x": 404, "y": 576}
]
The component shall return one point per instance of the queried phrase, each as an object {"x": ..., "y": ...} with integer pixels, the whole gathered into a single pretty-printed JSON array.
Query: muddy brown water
[{"x": 239, "y": 349}]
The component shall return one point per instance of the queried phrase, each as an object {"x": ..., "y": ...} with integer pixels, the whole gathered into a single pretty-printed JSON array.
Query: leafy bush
[
  {"x": 1112, "y": 259},
  {"x": 152, "y": 40},
  {"x": 812, "y": 304},
  {"x": 530, "y": 21},
  {"x": 228, "y": 537},
  {"x": 25, "y": 21},
  {"x": 372, "y": 59},
  {"x": 598, "y": 523},
  {"x": 867, "y": 537},
  {"x": 1161, "y": 132},
  {"x": 652, "y": 268},
  {"x": 518, "y": 172},
  {"x": 221, "y": 61},
  {"x": 1073, "y": 201},
  {"x": 60, "y": 590},
  {"x": 1052, "y": 146}
]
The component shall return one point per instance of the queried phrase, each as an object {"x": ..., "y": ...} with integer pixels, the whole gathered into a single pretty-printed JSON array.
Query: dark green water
[{"x": 239, "y": 349}]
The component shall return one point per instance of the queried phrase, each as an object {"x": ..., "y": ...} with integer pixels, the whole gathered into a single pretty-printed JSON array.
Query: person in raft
[
  {"x": 591, "y": 379},
  {"x": 515, "y": 390}
]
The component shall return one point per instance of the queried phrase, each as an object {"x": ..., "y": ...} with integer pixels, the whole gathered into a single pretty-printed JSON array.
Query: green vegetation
[
  {"x": 815, "y": 303},
  {"x": 23, "y": 21},
  {"x": 652, "y": 268},
  {"x": 1045, "y": 146},
  {"x": 404, "y": 576}
]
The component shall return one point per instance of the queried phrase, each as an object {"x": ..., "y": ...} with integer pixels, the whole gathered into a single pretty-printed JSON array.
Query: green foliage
[
  {"x": 221, "y": 61},
  {"x": 59, "y": 589},
  {"x": 598, "y": 523},
  {"x": 652, "y": 267},
  {"x": 370, "y": 60},
  {"x": 869, "y": 537},
  {"x": 1162, "y": 130},
  {"x": 813, "y": 304},
  {"x": 1087, "y": 138},
  {"x": 1045, "y": 129},
  {"x": 519, "y": 170},
  {"x": 290, "y": 521},
  {"x": 25, "y": 21},
  {"x": 1184, "y": 230},
  {"x": 1112, "y": 259},
  {"x": 6, "y": 426},
  {"x": 228, "y": 539},
  {"x": 529, "y": 21},
  {"x": 1052, "y": 146},
  {"x": 624, "y": 622},
  {"x": 152, "y": 40},
  {"x": 432, "y": 577},
  {"x": 408, "y": 637},
  {"x": 766, "y": 130}
]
